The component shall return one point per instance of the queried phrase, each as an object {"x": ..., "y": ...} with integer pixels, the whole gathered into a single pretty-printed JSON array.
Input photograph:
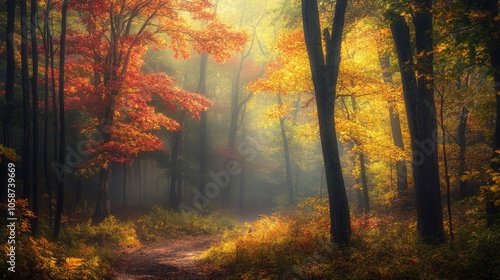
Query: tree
[
  {"x": 491, "y": 7},
  {"x": 397, "y": 135},
  {"x": 62, "y": 132},
  {"x": 47, "y": 55},
  {"x": 9, "y": 90},
  {"x": 108, "y": 82},
  {"x": 421, "y": 112},
  {"x": 11, "y": 68},
  {"x": 34, "y": 93},
  {"x": 26, "y": 103},
  {"x": 325, "y": 70}
]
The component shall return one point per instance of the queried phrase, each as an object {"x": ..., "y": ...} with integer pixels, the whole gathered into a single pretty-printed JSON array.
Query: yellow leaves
[
  {"x": 73, "y": 263},
  {"x": 277, "y": 111},
  {"x": 468, "y": 175},
  {"x": 8, "y": 153}
]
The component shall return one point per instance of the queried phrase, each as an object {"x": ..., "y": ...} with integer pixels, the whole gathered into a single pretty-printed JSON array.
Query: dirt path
[{"x": 170, "y": 259}]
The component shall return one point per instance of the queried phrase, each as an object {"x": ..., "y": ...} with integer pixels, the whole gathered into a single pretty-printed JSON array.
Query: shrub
[
  {"x": 160, "y": 223},
  {"x": 295, "y": 245}
]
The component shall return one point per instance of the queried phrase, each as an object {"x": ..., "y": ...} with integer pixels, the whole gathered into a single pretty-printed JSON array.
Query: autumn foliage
[{"x": 106, "y": 77}]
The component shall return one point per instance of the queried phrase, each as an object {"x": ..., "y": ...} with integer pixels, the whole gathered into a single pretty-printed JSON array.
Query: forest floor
[{"x": 167, "y": 259}]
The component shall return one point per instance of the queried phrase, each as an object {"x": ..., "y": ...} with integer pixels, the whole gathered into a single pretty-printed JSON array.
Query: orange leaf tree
[{"x": 107, "y": 44}]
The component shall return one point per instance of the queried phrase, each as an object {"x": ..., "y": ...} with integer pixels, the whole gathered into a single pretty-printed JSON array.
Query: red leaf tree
[{"x": 106, "y": 47}]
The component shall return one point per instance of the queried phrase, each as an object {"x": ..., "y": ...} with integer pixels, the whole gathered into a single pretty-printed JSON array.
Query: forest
[{"x": 233, "y": 139}]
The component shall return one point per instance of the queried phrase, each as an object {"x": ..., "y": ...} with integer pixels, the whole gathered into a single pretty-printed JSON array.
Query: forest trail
[{"x": 168, "y": 259}]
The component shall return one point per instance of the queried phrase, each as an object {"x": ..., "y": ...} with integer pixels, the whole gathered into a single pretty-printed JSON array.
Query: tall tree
[
  {"x": 34, "y": 93},
  {"x": 421, "y": 113},
  {"x": 202, "y": 89},
  {"x": 107, "y": 73},
  {"x": 11, "y": 68},
  {"x": 9, "y": 90},
  {"x": 62, "y": 132},
  {"x": 26, "y": 102},
  {"x": 397, "y": 135},
  {"x": 325, "y": 70},
  {"x": 493, "y": 46},
  {"x": 286, "y": 153},
  {"x": 46, "y": 49}
]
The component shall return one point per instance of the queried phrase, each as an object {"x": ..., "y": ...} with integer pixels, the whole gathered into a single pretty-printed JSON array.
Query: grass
[
  {"x": 86, "y": 251},
  {"x": 295, "y": 245}
]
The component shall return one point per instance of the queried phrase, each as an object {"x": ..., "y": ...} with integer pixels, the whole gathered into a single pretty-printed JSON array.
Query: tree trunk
[
  {"x": 364, "y": 182},
  {"x": 137, "y": 178},
  {"x": 362, "y": 170},
  {"x": 397, "y": 135},
  {"x": 445, "y": 163},
  {"x": 103, "y": 209},
  {"x": 286, "y": 154},
  {"x": 46, "y": 42},
  {"x": 124, "y": 186},
  {"x": 26, "y": 104},
  {"x": 421, "y": 112},
  {"x": 202, "y": 90},
  {"x": 325, "y": 76},
  {"x": 492, "y": 210},
  {"x": 10, "y": 75},
  {"x": 174, "y": 175},
  {"x": 359, "y": 198},
  {"x": 9, "y": 92},
  {"x": 62, "y": 141},
  {"x": 233, "y": 129},
  {"x": 54, "y": 98},
  {"x": 462, "y": 144},
  {"x": 36, "y": 140}
]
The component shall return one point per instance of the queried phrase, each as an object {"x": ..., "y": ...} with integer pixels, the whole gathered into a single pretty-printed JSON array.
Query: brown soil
[{"x": 169, "y": 259}]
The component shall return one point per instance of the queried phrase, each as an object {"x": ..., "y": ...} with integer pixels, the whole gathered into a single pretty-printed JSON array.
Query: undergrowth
[
  {"x": 87, "y": 251},
  {"x": 296, "y": 245}
]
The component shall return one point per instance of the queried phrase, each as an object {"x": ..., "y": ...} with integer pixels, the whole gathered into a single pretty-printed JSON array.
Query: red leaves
[{"x": 105, "y": 56}]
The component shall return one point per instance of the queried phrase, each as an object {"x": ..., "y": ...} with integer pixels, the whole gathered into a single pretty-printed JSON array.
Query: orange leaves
[
  {"x": 278, "y": 112},
  {"x": 217, "y": 39},
  {"x": 106, "y": 46},
  {"x": 290, "y": 73}
]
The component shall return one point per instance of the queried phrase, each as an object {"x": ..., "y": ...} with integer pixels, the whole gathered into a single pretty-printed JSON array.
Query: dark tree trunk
[
  {"x": 34, "y": 92},
  {"x": 364, "y": 182},
  {"x": 421, "y": 112},
  {"x": 445, "y": 163},
  {"x": 321, "y": 183},
  {"x": 54, "y": 98},
  {"x": 10, "y": 75},
  {"x": 137, "y": 178},
  {"x": 62, "y": 141},
  {"x": 462, "y": 144},
  {"x": 359, "y": 198},
  {"x": 202, "y": 89},
  {"x": 286, "y": 154},
  {"x": 233, "y": 129},
  {"x": 491, "y": 6},
  {"x": 174, "y": 175},
  {"x": 397, "y": 135},
  {"x": 103, "y": 208},
  {"x": 26, "y": 103},
  {"x": 9, "y": 92},
  {"x": 362, "y": 171},
  {"x": 325, "y": 76},
  {"x": 124, "y": 186},
  {"x": 46, "y": 42}
]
